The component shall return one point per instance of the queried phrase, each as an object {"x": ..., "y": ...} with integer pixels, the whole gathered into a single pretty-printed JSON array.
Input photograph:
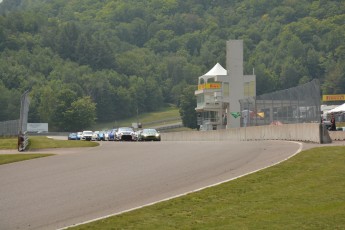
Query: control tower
[{"x": 219, "y": 91}]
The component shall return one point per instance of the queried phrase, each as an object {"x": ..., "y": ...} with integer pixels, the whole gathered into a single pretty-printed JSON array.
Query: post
[{"x": 23, "y": 139}]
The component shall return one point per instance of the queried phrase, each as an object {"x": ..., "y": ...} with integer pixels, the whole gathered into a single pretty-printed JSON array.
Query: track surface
[{"x": 78, "y": 185}]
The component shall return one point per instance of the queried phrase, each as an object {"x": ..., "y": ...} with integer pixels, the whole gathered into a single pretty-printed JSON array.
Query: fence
[
  {"x": 24, "y": 112},
  {"x": 299, "y": 104},
  {"x": 9, "y": 128},
  {"x": 18, "y": 127}
]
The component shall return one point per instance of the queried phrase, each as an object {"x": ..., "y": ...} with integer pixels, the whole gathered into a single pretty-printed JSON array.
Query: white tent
[
  {"x": 339, "y": 109},
  {"x": 217, "y": 70}
]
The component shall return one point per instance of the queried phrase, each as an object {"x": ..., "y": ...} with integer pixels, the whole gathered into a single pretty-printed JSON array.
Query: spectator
[{"x": 333, "y": 126}]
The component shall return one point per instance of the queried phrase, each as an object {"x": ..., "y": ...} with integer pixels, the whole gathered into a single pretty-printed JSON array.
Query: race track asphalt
[{"x": 82, "y": 184}]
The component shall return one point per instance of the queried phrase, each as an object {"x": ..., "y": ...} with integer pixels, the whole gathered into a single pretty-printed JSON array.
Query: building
[{"x": 220, "y": 90}]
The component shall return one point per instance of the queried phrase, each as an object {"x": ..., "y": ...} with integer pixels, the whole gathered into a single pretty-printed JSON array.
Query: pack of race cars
[{"x": 119, "y": 134}]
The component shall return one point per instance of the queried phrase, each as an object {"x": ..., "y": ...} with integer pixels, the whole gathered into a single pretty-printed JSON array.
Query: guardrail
[
  {"x": 23, "y": 141},
  {"x": 162, "y": 121},
  {"x": 172, "y": 126}
]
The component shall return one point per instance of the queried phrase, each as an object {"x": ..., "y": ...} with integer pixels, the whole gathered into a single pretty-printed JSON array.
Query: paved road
[{"x": 82, "y": 184}]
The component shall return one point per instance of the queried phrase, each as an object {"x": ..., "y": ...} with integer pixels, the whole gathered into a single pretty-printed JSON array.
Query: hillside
[{"x": 111, "y": 59}]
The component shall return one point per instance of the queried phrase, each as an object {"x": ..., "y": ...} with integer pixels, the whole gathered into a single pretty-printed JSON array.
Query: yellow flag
[{"x": 261, "y": 114}]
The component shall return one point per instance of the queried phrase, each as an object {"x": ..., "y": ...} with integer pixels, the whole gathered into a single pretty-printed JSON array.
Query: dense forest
[{"x": 111, "y": 58}]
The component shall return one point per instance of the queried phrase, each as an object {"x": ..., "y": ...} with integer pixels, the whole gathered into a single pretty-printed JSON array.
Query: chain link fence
[
  {"x": 9, "y": 128},
  {"x": 299, "y": 104},
  {"x": 14, "y": 127}
]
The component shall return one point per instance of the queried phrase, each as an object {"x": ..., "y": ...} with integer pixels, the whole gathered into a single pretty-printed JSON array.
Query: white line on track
[{"x": 186, "y": 193}]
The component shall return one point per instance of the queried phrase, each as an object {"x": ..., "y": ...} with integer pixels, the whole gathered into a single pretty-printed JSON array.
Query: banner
[
  {"x": 334, "y": 97},
  {"x": 210, "y": 86},
  {"x": 37, "y": 127},
  {"x": 235, "y": 114}
]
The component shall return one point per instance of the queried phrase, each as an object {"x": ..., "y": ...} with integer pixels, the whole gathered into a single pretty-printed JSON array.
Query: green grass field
[
  {"x": 305, "y": 192},
  {"x": 8, "y": 143},
  {"x": 10, "y": 158},
  {"x": 37, "y": 142},
  {"x": 42, "y": 142},
  {"x": 169, "y": 112},
  {"x": 340, "y": 124}
]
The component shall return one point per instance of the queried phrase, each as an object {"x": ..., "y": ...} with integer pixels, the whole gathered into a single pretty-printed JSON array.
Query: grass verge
[
  {"x": 37, "y": 142},
  {"x": 10, "y": 158},
  {"x": 8, "y": 143},
  {"x": 305, "y": 192},
  {"x": 41, "y": 142}
]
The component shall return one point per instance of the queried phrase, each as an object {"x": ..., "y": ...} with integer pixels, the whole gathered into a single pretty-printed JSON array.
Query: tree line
[{"x": 109, "y": 58}]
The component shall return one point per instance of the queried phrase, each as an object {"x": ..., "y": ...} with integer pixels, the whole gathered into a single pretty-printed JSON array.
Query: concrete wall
[
  {"x": 337, "y": 135},
  {"x": 307, "y": 132}
]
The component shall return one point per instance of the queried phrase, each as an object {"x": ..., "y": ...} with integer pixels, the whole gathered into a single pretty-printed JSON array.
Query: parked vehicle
[
  {"x": 106, "y": 135},
  {"x": 72, "y": 136},
  {"x": 79, "y": 134},
  {"x": 101, "y": 136},
  {"x": 149, "y": 135},
  {"x": 136, "y": 134},
  {"x": 112, "y": 135},
  {"x": 95, "y": 136},
  {"x": 125, "y": 134},
  {"x": 87, "y": 135}
]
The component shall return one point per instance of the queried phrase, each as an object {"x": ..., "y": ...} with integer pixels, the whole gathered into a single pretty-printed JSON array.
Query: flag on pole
[
  {"x": 236, "y": 114},
  {"x": 261, "y": 114}
]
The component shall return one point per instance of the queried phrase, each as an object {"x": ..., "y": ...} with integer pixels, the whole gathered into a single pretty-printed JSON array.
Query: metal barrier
[
  {"x": 26, "y": 140},
  {"x": 161, "y": 121},
  {"x": 23, "y": 138},
  {"x": 167, "y": 127},
  {"x": 23, "y": 141}
]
